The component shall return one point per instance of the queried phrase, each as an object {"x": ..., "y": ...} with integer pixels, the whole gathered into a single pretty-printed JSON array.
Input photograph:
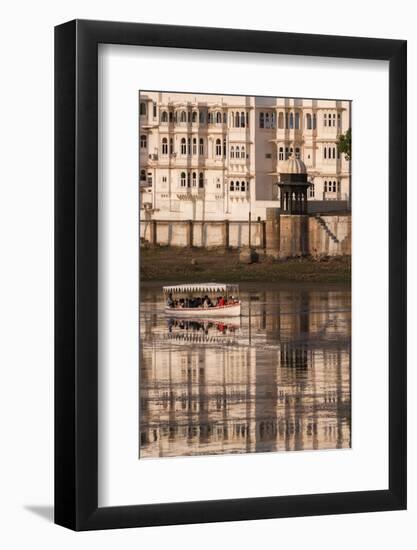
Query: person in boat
[
  {"x": 220, "y": 301},
  {"x": 207, "y": 302},
  {"x": 170, "y": 301}
]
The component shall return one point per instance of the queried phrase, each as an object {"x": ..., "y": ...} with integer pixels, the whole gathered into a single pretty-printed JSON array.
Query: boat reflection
[
  {"x": 203, "y": 331},
  {"x": 279, "y": 380}
]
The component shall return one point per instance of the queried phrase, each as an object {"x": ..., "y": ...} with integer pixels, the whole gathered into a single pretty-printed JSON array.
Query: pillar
[
  {"x": 262, "y": 234},
  {"x": 226, "y": 233},
  {"x": 189, "y": 233},
  {"x": 271, "y": 242},
  {"x": 153, "y": 233}
]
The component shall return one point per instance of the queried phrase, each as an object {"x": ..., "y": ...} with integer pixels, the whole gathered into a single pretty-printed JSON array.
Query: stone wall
[
  {"x": 283, "y": 236},
  {"x": 233, "y": 234},
  {"x": 294, "y": 233},
  {"x": 330, "y": 235}
]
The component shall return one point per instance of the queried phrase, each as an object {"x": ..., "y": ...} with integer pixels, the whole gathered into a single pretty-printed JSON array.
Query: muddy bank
[{"x": 173, "y": 264}]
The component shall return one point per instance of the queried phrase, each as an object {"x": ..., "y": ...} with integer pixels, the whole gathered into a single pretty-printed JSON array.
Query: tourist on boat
[
  {"x": 170, "y": 301},
  {"x": 221, "y": 302}
]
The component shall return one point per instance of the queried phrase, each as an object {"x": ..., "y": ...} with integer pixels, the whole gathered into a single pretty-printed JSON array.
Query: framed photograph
[{"x": 230, "y": 337}]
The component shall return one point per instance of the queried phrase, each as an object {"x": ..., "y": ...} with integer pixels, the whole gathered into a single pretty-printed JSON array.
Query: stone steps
[{"x": 326, "y": 229}]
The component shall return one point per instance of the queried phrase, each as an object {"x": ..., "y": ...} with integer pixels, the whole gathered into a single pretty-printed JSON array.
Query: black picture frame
[{"x": 76, "y": 272}]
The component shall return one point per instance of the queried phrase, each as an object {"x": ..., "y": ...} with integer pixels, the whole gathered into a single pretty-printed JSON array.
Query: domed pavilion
[{"x": 293, "y": 187}]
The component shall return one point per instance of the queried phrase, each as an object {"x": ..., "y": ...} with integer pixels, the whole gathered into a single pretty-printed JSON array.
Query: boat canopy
[{"x": 201, "y": 287}]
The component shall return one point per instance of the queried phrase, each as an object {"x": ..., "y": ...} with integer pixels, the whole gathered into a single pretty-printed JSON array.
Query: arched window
[
  {"x": 142, "y": 109},
  {"x": 188, "y": 179},
  {"x": 314, "y": 121},
  {"x": 201, "y": 117},
  {"x": 281, "y": 153},
  {"x": 297, "y": 121},
  {"x": 334, "y": 187},
  {"x": 297, "y": 152},
  {"x": 311, "y": 190},
  {"x": 237, "y": 120},
  {"x": 232, "y": 152},
  {"x": 242, "y": 119},
  {"x": 201, "y": 146},
  {"x": 194, "y": 119},
  {"x": 334, "y": 152},
  {"x": 171, "y": 116},
  {"x": 242, "y": 152},
  {"x": 218, "y": 148},
  {"x": 164, "y": 146},
  {"x": 325, "y": 152},
  {"x": 224, "y": 147},
  {"x": 325, "y": 119},
  {"x": 210, "y": 118},
  {"x": 183, "y": 116},
  {"x": 218, "y": 117},
  {"x": 189, "y": 116},
  {"x": 308, "y": 121},
  {"x": 232, "y": 186},
  {"x": 291, "y": 121},
  {"x": 224, "y": 118},
  {"x": 261, "y": 120},
  {"x": 334, "y": 120},
  {"x": 329, "y": 153},
  {"x": 143, "y": 141},
  {"x": 183, "y": 147},
  {"x": 325, "y": 186},
  {"x": 281, "y": 120},
  {"x": 267, "y": 121},
  {"x": 242, "y": 186},
  {"x": 194, "y": 179},
  {"x": 143, "y": 175},
  {"x": 183, "y": 179},
  {"x": 189, "y": 146},
  {"x": 237, "y": 151},
  {"x": 237, "y": 186},
  {"x": 194, "y": 146},
  {"x": 164, "y": 116},
  {"x": 171, "y": 146},
  {"x": 201, "y": 180}
]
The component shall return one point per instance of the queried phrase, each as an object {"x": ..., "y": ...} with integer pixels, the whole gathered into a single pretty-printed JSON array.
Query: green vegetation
[
  {"x": 172, "y": 264},
  {"x": 345, "y": 144}
]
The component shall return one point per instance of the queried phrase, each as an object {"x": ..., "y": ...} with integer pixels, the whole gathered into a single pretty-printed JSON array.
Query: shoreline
[{"x": 169, "y": 264}]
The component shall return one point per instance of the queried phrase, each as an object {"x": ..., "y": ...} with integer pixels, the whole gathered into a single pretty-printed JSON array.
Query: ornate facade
[{"x": 213, "y": 157}]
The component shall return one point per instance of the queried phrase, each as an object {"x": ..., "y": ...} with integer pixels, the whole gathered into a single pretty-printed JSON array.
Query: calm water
[{"x": 278, "y": 379}]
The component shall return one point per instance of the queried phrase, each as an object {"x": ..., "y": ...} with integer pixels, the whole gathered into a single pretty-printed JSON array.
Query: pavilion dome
[{"x": 293, "y": 166}]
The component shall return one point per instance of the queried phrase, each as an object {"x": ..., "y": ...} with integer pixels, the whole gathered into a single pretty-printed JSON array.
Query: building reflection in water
[{"x": 278, "y": 379}]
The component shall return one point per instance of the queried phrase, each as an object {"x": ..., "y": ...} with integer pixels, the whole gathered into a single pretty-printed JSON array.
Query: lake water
[{"x": 277, "y": 379}]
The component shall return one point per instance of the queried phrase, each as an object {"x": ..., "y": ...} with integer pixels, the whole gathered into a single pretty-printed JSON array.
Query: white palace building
[{"x": 218, "y": 157}]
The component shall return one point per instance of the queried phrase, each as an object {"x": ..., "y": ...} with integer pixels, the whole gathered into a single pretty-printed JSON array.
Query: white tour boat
[{"x": 178, "y": 299}]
